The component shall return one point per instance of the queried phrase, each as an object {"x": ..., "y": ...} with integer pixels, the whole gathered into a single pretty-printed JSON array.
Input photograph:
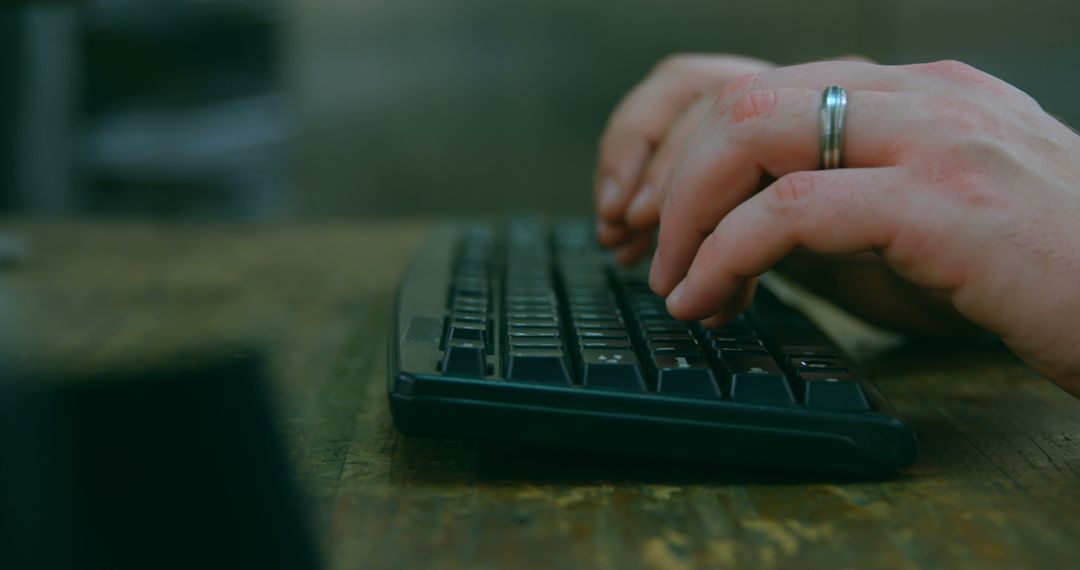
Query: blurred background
[{"x": 277, "y": 109}]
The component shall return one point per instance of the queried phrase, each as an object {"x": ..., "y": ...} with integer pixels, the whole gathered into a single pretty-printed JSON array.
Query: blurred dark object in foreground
[{"x": 177, "y": 466}]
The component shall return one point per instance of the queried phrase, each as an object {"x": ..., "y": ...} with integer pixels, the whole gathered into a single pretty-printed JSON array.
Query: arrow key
[{"x": 617, "y": 369}]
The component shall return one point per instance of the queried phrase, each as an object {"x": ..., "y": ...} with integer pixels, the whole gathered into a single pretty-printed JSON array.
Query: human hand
[
  {"x": 961, "y": 183},
  {"x": 648, "y": 128}
]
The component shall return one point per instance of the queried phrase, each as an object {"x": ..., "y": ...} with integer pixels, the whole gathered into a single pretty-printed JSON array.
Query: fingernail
[
  {"x": 676, "y": 294},
  {"x": 609, "y": 193},
  {"x": 641, "y": 200}
]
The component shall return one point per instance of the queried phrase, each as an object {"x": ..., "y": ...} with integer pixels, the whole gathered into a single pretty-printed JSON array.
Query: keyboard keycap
[
  {"x": 606, "y": 344},
  {"x": 538, "y": 365},
  {"x": 612, "y": 324},
  {"x": 532, "y": 323},
  {"x": 669, "y": 337},
  {"x": 752, "y": 362},
  {"x": 464, "y": 358},
  {"x": 601, "y": 334},
  {"x": 611, "y": 369},
  {"x": 668, "y": 347},
  {"x": 467, "y": 331},
  {"x": 828, "y": 391},
  {"x": 685, "y": 375},
  {"x": 815, "y": 363},
  {"x": 534, "y": 343},
  {"x": 678, "y": 328},
  {"x": 761, "y": 388},
  {"x": 533, "y": 333},
  {"x": 604, "y": 316}
]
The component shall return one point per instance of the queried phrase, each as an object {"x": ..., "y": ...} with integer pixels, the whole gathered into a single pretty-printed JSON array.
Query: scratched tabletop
[{"x": 997, "y": 482}]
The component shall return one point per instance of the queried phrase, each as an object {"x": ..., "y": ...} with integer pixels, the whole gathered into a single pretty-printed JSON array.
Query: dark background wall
[{"x": 309, "y": 108}]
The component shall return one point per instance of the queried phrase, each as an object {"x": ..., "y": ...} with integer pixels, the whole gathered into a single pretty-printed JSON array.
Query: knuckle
[
  {"x": 752, "y": 105},
  {"x": 732, "y": 89},
  {"x": 960, "y": 73},
  {"x": 953, "y": 69},
  {"x": 788, "y": 195}
]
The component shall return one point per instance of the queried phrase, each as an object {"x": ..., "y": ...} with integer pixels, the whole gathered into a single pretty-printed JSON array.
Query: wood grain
[{"x": 997, "y": 484}]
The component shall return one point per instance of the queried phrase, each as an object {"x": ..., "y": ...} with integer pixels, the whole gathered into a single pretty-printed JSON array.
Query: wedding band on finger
[{"x": 833, "y": 109}]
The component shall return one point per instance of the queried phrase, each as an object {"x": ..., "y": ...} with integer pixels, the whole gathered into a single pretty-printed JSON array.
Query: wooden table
[{"x": 997, "y": 483}]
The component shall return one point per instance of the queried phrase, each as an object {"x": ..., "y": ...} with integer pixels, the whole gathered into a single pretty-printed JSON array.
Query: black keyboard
[{"x": 526, "y": 332}]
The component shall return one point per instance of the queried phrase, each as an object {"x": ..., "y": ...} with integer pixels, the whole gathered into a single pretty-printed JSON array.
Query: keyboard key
[
  {"x": 534, "y": 343},
  {"x": 677, "y": 328},
  {"x": 538, "y": 365},
  {"x": 815, "y": 363},
  {"x": 579, "y": 317},
  {"x": 604, "y": 308},
  {"x": 533, "y": 333},
  {"x": 685, "y": 375},
  {"x": 752, "y": 362},
  {"x": 468, "y": 331},
  {"x": 752, "y": 346},
  {"x": 807, "y": 350},
  {"x": 669, "y": 337},
  {"x": 617, "y": 369},
  {"x": 512, "y": 315},
  {"x": 460, "y": 306},
  {"x": 464, "y": 358},
  {"x": 667, "y": 346},
  {"x": 469, "y": 317},
  {"x": 829, "y": 391},
  {"x": 532, "y": 323},
  {"x": 659, "y": 321},
  {"x": 613, "y": 324},
  {"x": 606, "y": 344},
  {"x": 761, "y": 388},
  {"x": 601, "y": 334}
]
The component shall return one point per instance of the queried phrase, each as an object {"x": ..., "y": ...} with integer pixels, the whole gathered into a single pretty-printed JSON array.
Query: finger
[
  {"x": 738, "y": 304},
  {"x": 643, "y": 117},
  {"x": 634, "y": 250},
  {"x": 853, "y": 57},
  {"x": 644, "y": 210},
  {"x": 830, "y": 212},
  {"x": 850, "y": 74},
  {"x": 611, "y": 235},
  {"x": 772, "y": 132}
]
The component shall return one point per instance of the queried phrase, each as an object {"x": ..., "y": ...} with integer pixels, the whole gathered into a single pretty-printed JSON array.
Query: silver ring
[{"x": 833, "y": 109}]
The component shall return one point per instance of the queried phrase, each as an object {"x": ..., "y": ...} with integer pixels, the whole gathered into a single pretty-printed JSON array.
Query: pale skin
[{"x": 958, "y": 207}]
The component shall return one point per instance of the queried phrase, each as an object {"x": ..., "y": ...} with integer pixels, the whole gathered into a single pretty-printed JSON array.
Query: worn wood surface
[{"x": 997, "y": 483}]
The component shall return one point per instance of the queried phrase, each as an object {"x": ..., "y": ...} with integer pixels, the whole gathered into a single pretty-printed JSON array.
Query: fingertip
[
  {"x": 610, "y": 197},
  {"x": 610, "y": 235},
  {"x": 715, "y": 321},
  {"x": 638, "y": 209},
  {"x": 674, "y": 301}
]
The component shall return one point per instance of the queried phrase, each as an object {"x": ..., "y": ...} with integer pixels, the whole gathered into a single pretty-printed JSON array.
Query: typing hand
[{"x": 959, "y": 182}]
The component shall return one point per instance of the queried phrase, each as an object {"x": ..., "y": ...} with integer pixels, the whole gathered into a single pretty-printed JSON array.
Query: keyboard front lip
[{"x": 884, "y": 440}]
